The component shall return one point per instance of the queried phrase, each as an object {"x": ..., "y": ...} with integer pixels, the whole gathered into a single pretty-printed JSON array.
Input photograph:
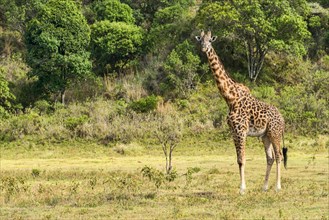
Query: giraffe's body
[{"x": 247, "y": 116}]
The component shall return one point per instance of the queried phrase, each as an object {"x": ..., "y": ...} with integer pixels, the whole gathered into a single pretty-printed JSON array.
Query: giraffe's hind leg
[
  {"x": 278, "y": 156},
  {"x": 269, "y": 159}
]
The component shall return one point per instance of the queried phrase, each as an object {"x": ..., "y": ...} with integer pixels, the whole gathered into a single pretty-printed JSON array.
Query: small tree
[{"x": 169, "y": 132}]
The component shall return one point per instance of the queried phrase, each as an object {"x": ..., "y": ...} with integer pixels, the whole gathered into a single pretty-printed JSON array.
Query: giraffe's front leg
[
  {"x": 240, "y": 141},
  {"x": 242, "y": 178},
  {"x": 239, "y": 131}
]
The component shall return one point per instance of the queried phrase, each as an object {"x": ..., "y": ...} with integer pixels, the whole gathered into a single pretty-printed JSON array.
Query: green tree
[
  {"x": 57, "y": 39},
  {"x": 113, "y": 10},
  {"x": 144, "y": 10},
  {"x": 171, "y": 25},
  {"x": 258, "y": 26},
  {"x": 12, "y": 16},
  {"x": 318, "y": 24},
  {"x": 115, "y": 40},
  {"x": 114, "y": 45},
  {"x": 181, "y": 71},
  {"x": 6, "y": 97}
]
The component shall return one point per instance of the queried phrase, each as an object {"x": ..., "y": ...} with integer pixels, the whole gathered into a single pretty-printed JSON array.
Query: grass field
[{"x": 89, "y": 181}]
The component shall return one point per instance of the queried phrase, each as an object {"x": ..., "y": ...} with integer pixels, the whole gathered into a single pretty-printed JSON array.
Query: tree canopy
[
  {"x": 62, "y": 50},
  {"x": 57, "y": 39},
  {"x": 115, "y": 39},
  {"x": 155, "y": 38},
  {"x": 5, "y": 95},
  {"x": 259, "y": 26},
  {"x": 114, "y": 10},
  {"x": 114, "y": 44}
]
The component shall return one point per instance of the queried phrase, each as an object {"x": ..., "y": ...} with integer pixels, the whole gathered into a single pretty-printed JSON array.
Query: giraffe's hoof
[
  {"x": 242, "y": 188},
  {"x": 278, "y": 189},
  {"x": 265, "y": 188}
]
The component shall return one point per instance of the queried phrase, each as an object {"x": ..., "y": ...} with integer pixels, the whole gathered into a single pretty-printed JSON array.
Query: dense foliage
[
  {"x": 56, "y": 40},
  {"x": 117, "y": 62},
  {"x": 258, "y": 27}
]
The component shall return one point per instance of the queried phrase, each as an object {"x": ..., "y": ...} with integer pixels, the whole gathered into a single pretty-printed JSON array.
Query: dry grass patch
[{"x": 111, "y": 186}]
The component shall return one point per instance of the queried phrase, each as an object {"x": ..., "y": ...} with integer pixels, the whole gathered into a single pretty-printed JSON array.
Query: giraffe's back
[
  {"x": 264, "y": 119},
  {"x": 257, "y": 117}
]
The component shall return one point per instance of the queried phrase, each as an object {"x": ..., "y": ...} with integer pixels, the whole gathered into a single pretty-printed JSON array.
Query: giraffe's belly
[{"x": 256, "y": 132}]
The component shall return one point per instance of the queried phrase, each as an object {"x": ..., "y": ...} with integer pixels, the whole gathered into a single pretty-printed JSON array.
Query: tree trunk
[
  {"x": 170, "y": 159},
  {"x": 255, "y": 58},
  {"x": 171, "y": 150},
  {"x": 63, "y": 96}
]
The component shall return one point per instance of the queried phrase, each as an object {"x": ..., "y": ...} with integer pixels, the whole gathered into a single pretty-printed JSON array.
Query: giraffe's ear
[
  {"x": 198, "y": 38},
  {"x": 213, "y": 38}
]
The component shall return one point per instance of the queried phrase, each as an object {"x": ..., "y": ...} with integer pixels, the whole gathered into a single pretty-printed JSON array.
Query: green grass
[{"x": 88, "y": 181}]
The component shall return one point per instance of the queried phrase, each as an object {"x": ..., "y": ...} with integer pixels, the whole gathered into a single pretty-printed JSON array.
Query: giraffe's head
[{"x": 206, "y": 40}]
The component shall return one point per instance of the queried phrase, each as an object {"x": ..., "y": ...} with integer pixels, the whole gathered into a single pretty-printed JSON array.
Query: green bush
[
  {"x": 3, "y": 113},
  {"x": 266, "y": 93},
  {"x": 42, "y": 106},
  {"x": 144, "y": 105},
  {"x": 153, "y": 175},
  {"x": 73, "y": 122},
  {"x": 304, "y": 110}
]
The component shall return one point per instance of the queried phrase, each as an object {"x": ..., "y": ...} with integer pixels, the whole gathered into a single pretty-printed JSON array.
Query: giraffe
[{"x": 247, "y": 117}]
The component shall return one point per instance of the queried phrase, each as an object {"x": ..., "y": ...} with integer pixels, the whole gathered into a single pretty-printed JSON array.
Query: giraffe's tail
[
  {"x": 285, "y": 153},
  {"x": 285, "y": 156}
]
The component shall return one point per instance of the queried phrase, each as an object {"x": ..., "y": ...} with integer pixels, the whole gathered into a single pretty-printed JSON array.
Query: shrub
[
  {"x": 73, "y": 122},
  {"x": 3, "y": 113},
  {"x": 189, "y": 173},
  {"x": 153, "y": 175},
  {"x": 144, "y": 105},
  {"x": 42, "y": 106},
  {"x": 35, "y": 173},
  {"x": 304, "y": 111},
  {"x": 265, "y": 93}
]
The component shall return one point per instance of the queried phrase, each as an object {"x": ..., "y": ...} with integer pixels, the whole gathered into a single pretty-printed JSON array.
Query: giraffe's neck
[{"x": 224, "y": 83}]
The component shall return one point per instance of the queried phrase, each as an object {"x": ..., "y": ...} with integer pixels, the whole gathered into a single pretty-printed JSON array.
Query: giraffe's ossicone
[{"x": 247, "y": 116}]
